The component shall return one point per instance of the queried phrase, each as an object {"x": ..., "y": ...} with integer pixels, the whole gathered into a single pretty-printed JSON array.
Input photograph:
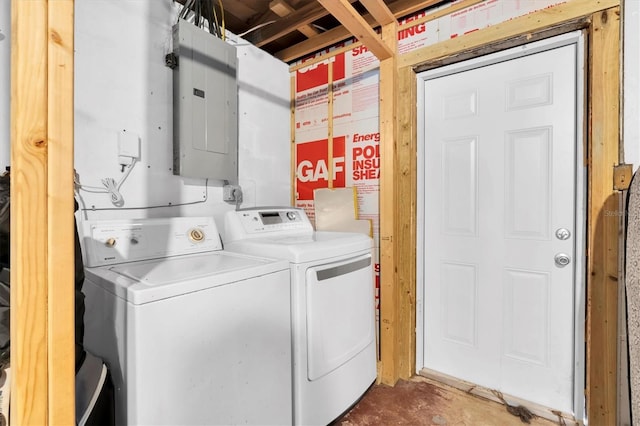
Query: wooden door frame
[
  {"x": 577, "y": 40},
  {"x": 600, "y": 19}
]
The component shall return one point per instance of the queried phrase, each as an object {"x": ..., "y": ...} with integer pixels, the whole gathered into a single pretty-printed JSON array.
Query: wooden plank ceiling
[{"x": 293, "y": 29}]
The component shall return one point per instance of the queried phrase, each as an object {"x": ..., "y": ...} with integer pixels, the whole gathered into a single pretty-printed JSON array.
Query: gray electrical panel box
[{"x": 205, "y": 105}]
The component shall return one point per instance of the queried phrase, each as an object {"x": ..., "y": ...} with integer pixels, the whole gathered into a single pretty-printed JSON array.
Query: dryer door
[{"x": 340, "y": 313}]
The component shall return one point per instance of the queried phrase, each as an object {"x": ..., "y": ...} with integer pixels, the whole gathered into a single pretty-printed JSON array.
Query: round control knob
[
  {"x": 110, "y": 242},
  {"x": 291, "y": 215},
  {"x": 196, "y": 235}
]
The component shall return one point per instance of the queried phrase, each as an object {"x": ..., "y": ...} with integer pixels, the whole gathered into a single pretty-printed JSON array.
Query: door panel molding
[{"x": 521, "y": 154}]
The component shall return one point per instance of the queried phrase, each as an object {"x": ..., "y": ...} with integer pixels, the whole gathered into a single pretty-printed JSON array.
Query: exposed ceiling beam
[
  {"x": 351, "y": 20},
  {"x": 305, "y": 15},
  {"x": 399, "y": 8},
  {"x": 237, "y": 8},
  {"x": 379, "y": 10},
  {"x": 282, "y": 8}
]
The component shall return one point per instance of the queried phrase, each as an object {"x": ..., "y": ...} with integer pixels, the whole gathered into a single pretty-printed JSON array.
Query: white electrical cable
[
  {"x": 204, "y": 200},
  {"x": 255, "y": 28},
  {"x": 110, "y": 186},
  {"x": 112, "y": 189}
]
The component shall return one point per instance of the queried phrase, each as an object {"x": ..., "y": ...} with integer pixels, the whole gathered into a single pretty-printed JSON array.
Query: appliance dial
[
  {"x": 291, "y": 215},
  {"x": 196, "y": 235}
]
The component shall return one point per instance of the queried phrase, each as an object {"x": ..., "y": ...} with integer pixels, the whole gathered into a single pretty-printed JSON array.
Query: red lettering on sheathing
[
  {"x": 312, "y": 166},
  {"x": 318, "y": 74}
]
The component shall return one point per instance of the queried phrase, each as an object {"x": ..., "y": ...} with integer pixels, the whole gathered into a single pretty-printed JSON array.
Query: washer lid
[
  {"x": 150, "y": 280},
  {"x": 304, "y": 248}
]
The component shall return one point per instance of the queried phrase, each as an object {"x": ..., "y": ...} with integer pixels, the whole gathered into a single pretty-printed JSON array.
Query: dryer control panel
[
  {"x": 258, "y": 222},
  {"x": 118, "y": 241}
]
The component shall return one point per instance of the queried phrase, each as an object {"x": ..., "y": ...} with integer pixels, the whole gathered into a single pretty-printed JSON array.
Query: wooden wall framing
[
  {"x": 42, "y": 201},
  {"x": 600, "y": 18},
  {"x": 42, "y": 247},
  {"x": 398, "y": 224},
  {"x": 390, "y": 328},
  {"x": 603, "y": 220}
]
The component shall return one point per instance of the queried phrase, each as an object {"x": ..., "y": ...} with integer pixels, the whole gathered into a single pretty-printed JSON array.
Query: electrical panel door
[{"x": 205, "y": 105}]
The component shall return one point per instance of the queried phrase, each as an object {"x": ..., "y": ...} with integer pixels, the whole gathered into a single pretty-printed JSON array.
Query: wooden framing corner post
[
  {"x": 603, "y": 227},
  {"x": 390, "y": 324}
]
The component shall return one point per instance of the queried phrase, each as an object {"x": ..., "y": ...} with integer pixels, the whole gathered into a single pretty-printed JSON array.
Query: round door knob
[
  {"x": 562, "y": 259},
  {"x": 563, "y": 233}
]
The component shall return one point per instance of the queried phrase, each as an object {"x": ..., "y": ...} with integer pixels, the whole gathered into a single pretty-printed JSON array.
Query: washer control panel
[
  {"x": 252, "y": 223},
  {"x": 119, "y": 241}
]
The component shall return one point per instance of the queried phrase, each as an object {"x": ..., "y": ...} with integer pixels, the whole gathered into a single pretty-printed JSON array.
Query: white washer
[
  {"x": 192, "y": 334},
  {"x": 333, "y": 319}
]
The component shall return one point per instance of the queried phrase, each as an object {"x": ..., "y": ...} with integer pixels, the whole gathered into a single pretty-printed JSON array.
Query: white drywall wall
[
  {"x": 265, "y": 127},
  {"x": 122, "y": 84}
]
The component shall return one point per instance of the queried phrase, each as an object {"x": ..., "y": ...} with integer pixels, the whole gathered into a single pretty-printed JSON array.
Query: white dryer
[
  {"x": 332, "y": 291},
  {"x": 192, "y": 334}
]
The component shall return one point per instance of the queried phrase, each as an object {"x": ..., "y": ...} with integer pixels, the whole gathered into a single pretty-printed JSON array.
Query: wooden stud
[
  {"x": 351, "y": 19},
  {"x": 330, "y": 124},
  {"x": 42, "y": 248},
  {"x": 60, "y": 209},
  {"x": 29, "y": 357},
  {"x": 405, "y": 227},
  {"x": 603, "y": 223},
  {"x": 390, "y": 297},
  {"x": 292, "y": 88}
]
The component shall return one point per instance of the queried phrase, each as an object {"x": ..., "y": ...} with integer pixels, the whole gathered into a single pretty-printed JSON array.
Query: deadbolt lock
[{"x": 563, "y": 233}]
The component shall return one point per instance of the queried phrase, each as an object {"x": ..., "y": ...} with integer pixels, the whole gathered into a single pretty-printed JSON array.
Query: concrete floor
[{"x": 421, "y": 401}]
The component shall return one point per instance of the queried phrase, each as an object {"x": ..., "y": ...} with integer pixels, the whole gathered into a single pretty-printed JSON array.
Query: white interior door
[{"x": 499, "y": 222}]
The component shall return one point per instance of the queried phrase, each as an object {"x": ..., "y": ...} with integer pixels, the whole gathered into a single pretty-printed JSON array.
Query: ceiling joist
[
  {"x": 293, "y": 29},
  {"x": 282, "y": 8},
  {"x": 356, "y": 24},
  {"x": 379, "y": 10},
  {"x": 303, "y": 16},
  {"x": 399, "y": 9}
]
